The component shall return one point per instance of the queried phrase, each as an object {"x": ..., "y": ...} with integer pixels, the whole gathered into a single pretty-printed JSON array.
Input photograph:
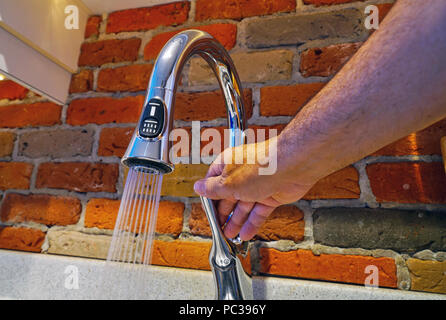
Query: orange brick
[
  {"x": 148, "y": 18},
  {"x": 170, "y": 217},
  {"x": 183, "y": 254},
  {"x": 238, "y": 9},
  {"x": 24, "y": 239},
  {"x": 114, "y": 141},
  {"x": 286, "y": 100},
  {"x": 15, "y": 175},
  {"x": 329, "y": 267},
  {"x": 324, "y": 62},
  {"x": 11, "y": 90},
  {"x": 92, "y": 28},
  {"x": 408, "y": 182},
  {"x": 6, "y": 143},
  {"x": 104, "y": 110},
  {"x": 424, "y": 142},
  {"x": 78, "y": 176},
  {"x": 41, "y": 208},
  {"x": 107, "y": 51},
  {"x": 343, "y": 184},
  {"x": 225, "y": 33},
  {"x": 198, "y": 223},
  {"x": 285, "y": 222},
  {"x": 82, "y": 82},
  {"x": 102, "y": 213},
  {"x": 128, "y": 78},
  {"x": 206, "y": 105},
  {"x": 30, "y": 115}
]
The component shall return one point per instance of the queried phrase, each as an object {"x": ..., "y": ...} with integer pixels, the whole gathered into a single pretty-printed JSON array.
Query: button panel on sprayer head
[{"x": 152, "y": 121}]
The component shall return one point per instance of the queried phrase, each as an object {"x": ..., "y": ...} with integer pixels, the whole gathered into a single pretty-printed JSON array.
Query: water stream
[{"x": 134, "y": 233}]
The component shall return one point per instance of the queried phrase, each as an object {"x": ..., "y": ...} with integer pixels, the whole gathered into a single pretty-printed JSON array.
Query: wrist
[{"x": 300, "y": 160}]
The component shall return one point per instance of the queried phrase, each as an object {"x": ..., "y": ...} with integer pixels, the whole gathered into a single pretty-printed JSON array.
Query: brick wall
[{"x": 60, "y": 178}]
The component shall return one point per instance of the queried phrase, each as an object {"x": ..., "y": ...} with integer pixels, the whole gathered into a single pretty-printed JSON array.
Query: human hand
[{"x": 251, "y": 196}]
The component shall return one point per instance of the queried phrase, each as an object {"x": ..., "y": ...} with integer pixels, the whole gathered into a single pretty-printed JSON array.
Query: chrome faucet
[{"x": 149, "y": 146}]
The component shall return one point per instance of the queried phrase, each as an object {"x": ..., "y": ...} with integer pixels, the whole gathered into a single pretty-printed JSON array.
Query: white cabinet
[{"x": 36, "y": 48}]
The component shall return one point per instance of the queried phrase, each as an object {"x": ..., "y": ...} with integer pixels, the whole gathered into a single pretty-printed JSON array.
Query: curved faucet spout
[{"x": 150, "y": 143}]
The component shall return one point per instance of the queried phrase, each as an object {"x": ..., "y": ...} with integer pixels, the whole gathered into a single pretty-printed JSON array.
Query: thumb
[{"x": 212, "y": 188}]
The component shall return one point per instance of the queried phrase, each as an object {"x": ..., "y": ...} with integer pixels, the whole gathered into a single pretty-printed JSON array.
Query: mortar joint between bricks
[
  {"x": 308, "y": 211},
  {"x": 404, "y": 280},
  {"x": 78, "y": 159},
  {"x": 407, "y": 158},
  {"x": 186, "y": 216},
  {"x": 192, "y": 11},
  {"x": 366, "y": 193},
  {"x": 81, "y": 222},
  {"x": 313, "y": 9}
]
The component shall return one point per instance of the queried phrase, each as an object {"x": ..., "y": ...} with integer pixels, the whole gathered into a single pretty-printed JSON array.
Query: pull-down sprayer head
[{"x": 150, "y": 143}]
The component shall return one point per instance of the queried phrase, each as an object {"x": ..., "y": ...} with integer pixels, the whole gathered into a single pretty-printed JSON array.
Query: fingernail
[{"x": 199, "y": 187}]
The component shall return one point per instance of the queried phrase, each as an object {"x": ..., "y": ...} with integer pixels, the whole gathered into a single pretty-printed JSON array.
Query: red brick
[
  {"x": 107, "y": 51},
  {"x": 318, "y": 3},
  {"x": 225, "y": 33},
  {"x": 30, "y": 115},
  {"x": 104, "y": 110},
  {"x": 330, "y": 267},
  {"x": 114, "y": 141},
  {"x": 408, "y": 182},
  {"x": 82, "y": 82},
  {"x": 286, "y": 100},
  {"x": 384, "y": 9},
  {"x": 23, "y": 239},
  {"x": 11, "y": 90},
  {"x": 15, "y": 175},
  {"x": 443, "y": 150},
  {"x": 78, "y": 176},
  {"x": 128, "y": 78},
  {"x": 208, "y": 143},
  {"x": 324, "y": 62},
  {"x": 204, "y": 106},
  {"x": 148, "y": 18},
  {"x": 41, "y": 208},
  {"x": 92, "y": 28},
  {"x": 239, "y": 9},
  {"x": 6, "y": 143},
  {"x": 424, "y": 142},
  {"x": 102, "y": 214},
  {"x": 342, "y": 184},
  {"x": 183, "y": 254}
]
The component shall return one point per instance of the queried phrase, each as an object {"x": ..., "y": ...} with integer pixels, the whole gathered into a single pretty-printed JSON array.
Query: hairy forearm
[{"x": 394, "y": 85}]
